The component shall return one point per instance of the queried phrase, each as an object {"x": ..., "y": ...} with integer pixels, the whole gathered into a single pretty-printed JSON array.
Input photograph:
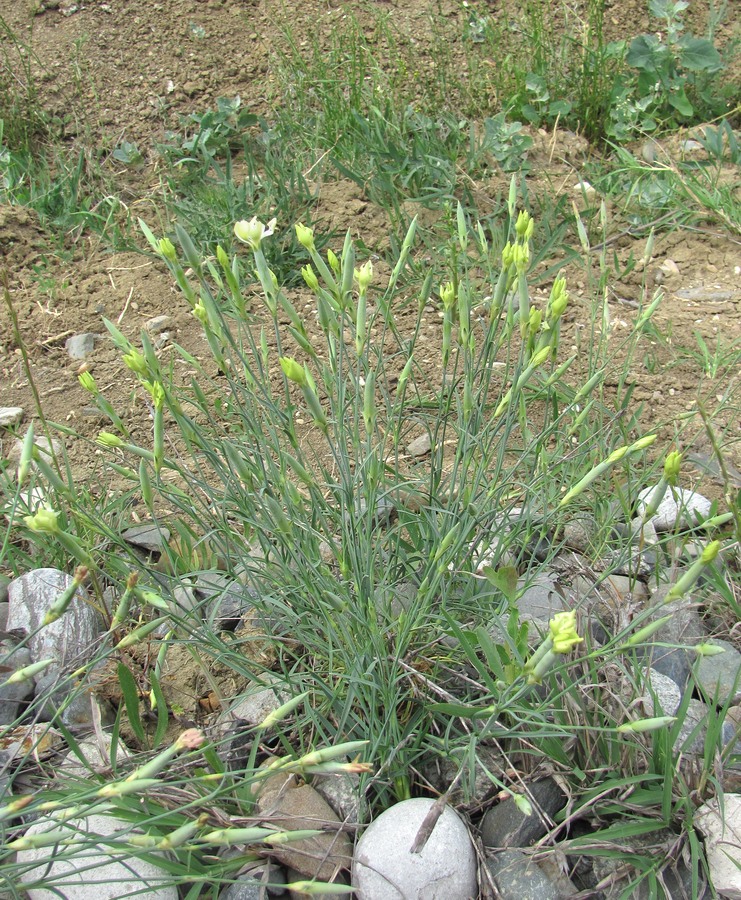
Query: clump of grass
[{"x": 377, "y": 576}]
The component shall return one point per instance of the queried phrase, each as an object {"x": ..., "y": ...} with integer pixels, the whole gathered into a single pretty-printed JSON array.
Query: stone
[
  {"x": 516, "y": 877},
  {"x": 384, "y": 868},
  {"x": 10, "y": 416},
  {"x": 97, "y": 871},
  {"x": 13, "y": 697},
  {"x": 420, "y": 446},
  {"x": 579, "y": 532},
  {"x": 288, "y": 806},
  {"x": 539, "y": 600},
  {"x": 342, "y": 792},
  {"x": 666, "y": 692},
  {"x": 97, "y": 756},
  {"x": 691, "y": 737},
  {"x": 230, "y": 600},
  {"x": 665, "y": 652},
  {"x": 265, "y": 696},
  {"x": 678, "y": 507},
  {"x": 722, "y": 832},
  {"x": 70, "y": 641},
  {"x": 669, "y": 268},
  {"x": 72, "y": 703},
  {"x": 719, "y": 676},
  {"x": 80, "y": 346},
  {"x": 149, "y": 537},
  {"x": 157, "y": 324},
  {"x": 506, "y": 825}
]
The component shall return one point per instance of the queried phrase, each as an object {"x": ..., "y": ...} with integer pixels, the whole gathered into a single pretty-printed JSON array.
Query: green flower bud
[
  {"x": 201, "y": 313},
  {"x": 671, "y": 467},
  {"x": 447, "y": 294},
  {"x": 223, "y": 258},
  {"x": 45, "y": 521},
  {"x": 334, "y": 263},
  {"x": 710, "y": 552},
  {"x": 88, "y": 382},
  {"x": 305, "y": 236},
  {"x": 364, "y": 276},
  {"x": 524, "y": 226},
  {"x": 508, "y": 255},
  {"x": 310, "y": 278},
  {"x": 135, "y": 361},
  {"x": 167, "y": 250},
  {"x": 642, "y": 725},
  {"x": 293, "y": 370},
  {"x": 521, "y": 257},
  {"x": 108, "y": 439}
]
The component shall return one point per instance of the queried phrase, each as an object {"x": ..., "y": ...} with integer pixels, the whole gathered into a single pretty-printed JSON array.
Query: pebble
[
  {"x": 96, "y": 872},
  {"x": 420, "y": 446},
  {"x": 516, "y": 876},
  {"x": 719, "y": 676},
  {"x": 384, "y": 868},
  {"x": 10, "y": 415},
  {"x": 149, "y": 537},
  {"x": 678, "y": 506},
  {"x": 70, "y": 641},
  {"x": 667, "y": 693},
  {"x": 80, "y": 346},
  {"x": 722, "y": 832},
  {"x": 158, "y": 324},
  {"x": 666, "y": 651},
  {"x": 506, "y": 825}
]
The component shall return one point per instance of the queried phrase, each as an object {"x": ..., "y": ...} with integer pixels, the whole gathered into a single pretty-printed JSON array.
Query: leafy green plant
[{"x": 676, "y": 77}]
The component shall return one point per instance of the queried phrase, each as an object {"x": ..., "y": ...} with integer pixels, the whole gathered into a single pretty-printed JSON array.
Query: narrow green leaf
[{"x": 130, "y": 693}]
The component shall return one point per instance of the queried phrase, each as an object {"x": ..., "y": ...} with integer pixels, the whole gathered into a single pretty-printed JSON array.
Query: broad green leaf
[
  {"x": 678, "y": 99},
  {"x": 644, "y": 53},
  {"x": 699, "y": 55}
]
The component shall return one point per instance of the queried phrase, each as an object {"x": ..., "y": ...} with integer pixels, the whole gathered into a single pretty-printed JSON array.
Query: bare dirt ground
[{"x": 127, "y": 70}]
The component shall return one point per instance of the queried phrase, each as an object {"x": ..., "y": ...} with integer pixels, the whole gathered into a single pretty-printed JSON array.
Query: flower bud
[
  {"x": 310, "y": 278},
  {"x": 293, "y": 370},
  {"x": 253, "y": 231},
  {"x": 167, "y": 250},
  {"x": 563, "y": 632},
  {"x": 108, "y": 439},
  {"x": 135, "y": 361},
  {"x": 671, "y": 467},
  {"x": 201, "y": 313},
  {"x": 447, "y": 294},
  {"x": 364, "y": 276},
  {"x": 88, "y": 382},
  {"x": 45, "y": 521},
  {"x": 642, "y": 725},
  {"x": 305, "y": 236},
  {"x": 524, "y": 225},
  {"x": 334, "y": 263}
]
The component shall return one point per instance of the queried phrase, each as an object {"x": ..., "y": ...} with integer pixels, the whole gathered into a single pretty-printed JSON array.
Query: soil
[{"x": 128, "y": 70}]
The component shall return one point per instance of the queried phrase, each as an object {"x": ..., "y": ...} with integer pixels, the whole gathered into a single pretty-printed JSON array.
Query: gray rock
[
  {"x": 342, "y": 792},
  {"x": 719, "y": 676},
  {"x": 4, "y": 605},
  {"x": 539, "y": 600},
  {"x": 230, "y": 600},
  {"x": 678, "y": 507},
  {"x": 10, "y": 416},
  {"x": 685, "y": 627},
  {"x": 80, "y": 346},
  {"x": 245, "y": 889},
  {"x": 691, "y": 737},
  {"x": 184, "y": 601},
  {"x": 70, "y": 640},
  {"x": 444, "y": 869},
  {"x": 517, "y": 877},
  {"x": 149, "y": 537},
  {"x": 667, "y": 693},
  {"x": 420, "y": 446},
  {"x": 96, "y": 871},
  {"x": 74, "y": 705},
  {"x": 262, "y": 698},
  {"x": 579, "y": 532},
  {"x": 722, "y": 832},
  {"x": 706, "y": 294},
  {"x": 505, "y": 825},
  {"x": 13, "y": 696},
  {"x": 97, "y": 757},
  {"x": 157, "y": 324}
]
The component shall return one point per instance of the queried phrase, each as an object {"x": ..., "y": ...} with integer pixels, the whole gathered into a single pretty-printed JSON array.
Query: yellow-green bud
[
  {"x": 135, "y": 361},
  {"x": 642, "y": 443},
  {"x": 508, "y": 255},
  {"x": 364, "y": 276},
  {"x": 167, "y": 250},
  {"x": 334, "y": 263},
  {"x": 156, "y": 392},
  {"x": 222, "y": 257},
  {"x": 642, "y": 725},
  {"x": 703, "y": 650},
  {"x": 310, "y": 278},
  {"x": 108, "y": 439},
  {"x": 524, "y": 226},
  {"x": 253, "y": 231},
  {"x": 305, "y": 236},
  {"x": 710, "y": 552},
  {"x": 447, "y": 294},
  {"x": 671, "y": 467},
  {"x": 201, "y": 313},
  {"x": 293, "y": 370},
  {"x": 45, "y": 521},
  {"x": 88, "y": 382},
  {"x": 563, "y": 632},
  {"x": 521, "y": 257}
]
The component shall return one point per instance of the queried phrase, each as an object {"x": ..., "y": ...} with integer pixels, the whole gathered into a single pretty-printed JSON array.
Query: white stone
[
  {"x": 70, "y": 641},
  {"x": 678, "y": 506},
  {"x": 96, "y": 872},
  {"x": 97, "y": 754},
  {"x": 385, "y": 869},
  {"x": 10, "y": 415},
  {"x": 667, "y": 693},
  {"x": 722, "y": 832}
]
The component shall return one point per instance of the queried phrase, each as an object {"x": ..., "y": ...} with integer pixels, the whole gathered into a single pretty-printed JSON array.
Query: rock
[
  {"x": 149, "y": 537},
  {"x": 4, "y": 605},
  {"x": 707, "y": 295},
  {"x": 420, "y": 446},
  {"x": 80, "y": 346},
  {"x": 263, "y": 698},
  {"x": 288, "y": 806},
  {"x": 579, "y": 532},
  {"x": 72, "y": 703},
  {"x": 539, "y": 600},
  {"x": 13, "y": 697},
  {"x": 722, "y": 832},
  {"x": 10, "y": 416},
  {"x": 157, "y": 324},
  {"x": 37, "y": 741},
  {"x": 684, "y": 628},
  {"x": 41, "y": 442},
  {"x": 70, "y": 641},
  {"x": 184, "y": 601},
  {"x": 97, "y": 871},
  {"x": 505, "y": 825},
  {"x": 97, "y": 757},
  {"x": 384, "y": 868},
  {"x": 694, "y": 718},
  {"x": 667, "y": 693},
  {"x": 229, "y": 599},
  {"x": 719, "y": 676},
  {"x": 678, "y": 507},
  {"x": 669, "y": 268},
  {"x": 342, "y": 792},
  {"x": 516, "y": 877}
]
